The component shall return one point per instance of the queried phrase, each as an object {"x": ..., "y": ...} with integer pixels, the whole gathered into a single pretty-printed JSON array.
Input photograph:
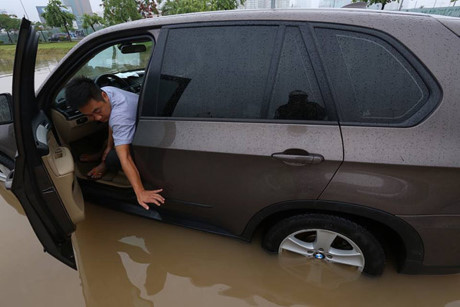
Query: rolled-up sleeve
[
  {"x": 123, "y": 134},
  {"x": 123, "y": 115}
]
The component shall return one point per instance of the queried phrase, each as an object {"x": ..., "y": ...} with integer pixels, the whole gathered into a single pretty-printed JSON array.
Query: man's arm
[
  {"x": 109, "y": 146},
  {"x": 143, "y": 196}
]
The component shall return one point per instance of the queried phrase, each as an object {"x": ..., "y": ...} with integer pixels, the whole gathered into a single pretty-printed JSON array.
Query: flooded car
[{"x": 331, "y": 132}]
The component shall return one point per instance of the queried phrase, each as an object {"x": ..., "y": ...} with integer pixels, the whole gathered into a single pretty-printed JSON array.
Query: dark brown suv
[{"x": 334, "y": 131}]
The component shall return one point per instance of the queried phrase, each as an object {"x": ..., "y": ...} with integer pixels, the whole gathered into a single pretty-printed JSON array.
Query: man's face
[{"x": 97, "y": 109}]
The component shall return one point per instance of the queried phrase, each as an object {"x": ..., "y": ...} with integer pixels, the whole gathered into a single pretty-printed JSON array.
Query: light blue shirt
[{"x": 123, "y": 115}]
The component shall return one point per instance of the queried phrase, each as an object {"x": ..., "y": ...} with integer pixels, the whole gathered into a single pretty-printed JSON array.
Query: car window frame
[
  {"x": 152, "y": 78},
  {"x": 429, "y": 80},
  {"x": 71, "y": 65}
]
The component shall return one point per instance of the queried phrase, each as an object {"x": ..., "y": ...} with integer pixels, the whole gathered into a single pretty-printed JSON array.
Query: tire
[{"x": 341, "y": 241}]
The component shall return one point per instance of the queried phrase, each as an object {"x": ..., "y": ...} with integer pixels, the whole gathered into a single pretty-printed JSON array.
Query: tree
[
  {"x": 148, "y": 8},
  {"x": 9, "y": 23},
  {"x": 91, "y": 20},
  {"x": 56, "y": 16},
  {"x": 40, "y": 27},
  {"x": 172, "y": 7},
  {"x": 382, "y": 2},
  {"x": 119, "y": 11}
]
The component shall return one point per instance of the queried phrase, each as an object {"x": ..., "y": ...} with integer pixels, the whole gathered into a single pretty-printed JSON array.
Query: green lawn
[{"x": 44, "y": 48}]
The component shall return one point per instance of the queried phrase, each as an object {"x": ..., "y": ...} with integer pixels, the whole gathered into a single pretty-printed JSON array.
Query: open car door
[{"x": 43, "y": 170}]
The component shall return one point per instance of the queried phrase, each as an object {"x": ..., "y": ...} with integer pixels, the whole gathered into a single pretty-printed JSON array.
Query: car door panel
[
  {"x": 223, "y": 172},
  {"x": 32, "y": 183}
]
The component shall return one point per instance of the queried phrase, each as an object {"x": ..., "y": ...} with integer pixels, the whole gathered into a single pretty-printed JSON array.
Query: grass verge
[{"x": 60, "y": 48}]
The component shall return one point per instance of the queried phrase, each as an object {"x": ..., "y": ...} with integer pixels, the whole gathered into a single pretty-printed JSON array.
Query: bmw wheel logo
[{"x": 319, "y": 256}]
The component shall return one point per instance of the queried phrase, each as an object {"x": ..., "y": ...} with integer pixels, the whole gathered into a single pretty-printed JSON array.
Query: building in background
[
  {"x": 78, "y": 8},
  {"x": 40, "y": 11}
]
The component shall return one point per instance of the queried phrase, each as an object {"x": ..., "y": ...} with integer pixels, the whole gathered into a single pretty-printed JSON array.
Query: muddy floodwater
[{"x": 126, "y": 260}]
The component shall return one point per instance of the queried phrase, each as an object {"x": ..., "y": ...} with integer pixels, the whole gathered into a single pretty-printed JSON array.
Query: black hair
[{"x": 80, "y": 90}]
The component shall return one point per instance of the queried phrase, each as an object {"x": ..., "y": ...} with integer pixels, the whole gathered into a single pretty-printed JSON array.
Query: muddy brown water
[{"x": 126, "y": 260}]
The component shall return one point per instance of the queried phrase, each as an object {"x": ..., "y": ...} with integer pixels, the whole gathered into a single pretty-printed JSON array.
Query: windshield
[
  {"x": 121, "y": 65},
  {"x": 111, "y": 61}
]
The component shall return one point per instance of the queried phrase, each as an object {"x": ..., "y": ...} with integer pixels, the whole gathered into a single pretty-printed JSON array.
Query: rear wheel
[{"x": 327, "y": 238}]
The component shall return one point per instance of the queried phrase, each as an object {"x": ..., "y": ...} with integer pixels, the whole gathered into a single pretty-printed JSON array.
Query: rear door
[
  {"x": 234, "y": 120},
  {"x": 33, "y": 184}
]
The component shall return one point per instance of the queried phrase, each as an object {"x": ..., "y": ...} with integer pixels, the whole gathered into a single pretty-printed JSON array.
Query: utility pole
[{"x": 25, "y": 12}]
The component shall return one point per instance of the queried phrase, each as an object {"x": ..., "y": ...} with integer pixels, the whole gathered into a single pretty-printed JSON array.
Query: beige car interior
[
  {"x": 64, "y": 167},
  {"x": 74, "y": 136},
  {"x": 78, "y": 135},
  {"x": 60, "y": 166}
]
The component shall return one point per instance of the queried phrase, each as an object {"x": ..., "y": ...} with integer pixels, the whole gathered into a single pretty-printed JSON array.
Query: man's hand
[{"x": 145, "y": 197}]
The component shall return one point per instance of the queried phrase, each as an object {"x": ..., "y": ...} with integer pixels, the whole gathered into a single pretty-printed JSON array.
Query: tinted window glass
[
  {"x": 216, "y": 72},
  {"x": 371, "y": 81},
  {"x": 5, "y": 112},
  {"x": 295, "y": 94}
]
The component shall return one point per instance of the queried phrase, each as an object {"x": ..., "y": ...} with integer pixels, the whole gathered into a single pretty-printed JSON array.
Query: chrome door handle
[{"x": 298, "y": 159}]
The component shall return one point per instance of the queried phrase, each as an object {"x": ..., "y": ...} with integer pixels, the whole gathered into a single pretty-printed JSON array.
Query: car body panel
[
  {"x": 226, "y": 169},
  {"x": 439, "y": 233},
  {"x": 412, "y": 170}
]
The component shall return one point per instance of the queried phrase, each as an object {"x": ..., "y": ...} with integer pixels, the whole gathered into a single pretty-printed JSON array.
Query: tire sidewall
[{"x": 371, "y": 249}]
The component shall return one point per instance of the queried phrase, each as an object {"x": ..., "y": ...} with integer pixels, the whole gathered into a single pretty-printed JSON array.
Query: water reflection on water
[
  {"x": 6, "y": 80},
  {"x": 43, "y": 61},
  {"x": 28, "y": 276},
  {"x": 129, "y": 261}
]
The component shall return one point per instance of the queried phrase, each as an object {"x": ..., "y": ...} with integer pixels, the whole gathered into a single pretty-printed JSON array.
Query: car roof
[
  {"x": 364, "y": 17},
  {"x": 247, "y": 14},
  {"x": 377, "y": 19}
]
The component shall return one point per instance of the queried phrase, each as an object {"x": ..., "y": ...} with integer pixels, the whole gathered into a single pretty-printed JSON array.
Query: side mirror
[{"x": 6, "y": 109}]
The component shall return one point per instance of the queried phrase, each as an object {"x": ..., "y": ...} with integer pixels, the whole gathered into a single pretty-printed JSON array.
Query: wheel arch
[{"x": 377, "y": 221}]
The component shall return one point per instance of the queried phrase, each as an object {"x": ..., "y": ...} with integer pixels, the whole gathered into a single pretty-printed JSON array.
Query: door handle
[{"x": 299, "y": 158}]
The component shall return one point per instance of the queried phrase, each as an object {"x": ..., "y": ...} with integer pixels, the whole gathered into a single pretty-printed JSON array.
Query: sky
[{"x": 14, "y": 7}]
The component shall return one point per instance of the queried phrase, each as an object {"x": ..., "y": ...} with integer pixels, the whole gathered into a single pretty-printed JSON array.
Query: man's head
[
  {"x": 83, "y": 94},
  {"x": 298, "y": 96}
]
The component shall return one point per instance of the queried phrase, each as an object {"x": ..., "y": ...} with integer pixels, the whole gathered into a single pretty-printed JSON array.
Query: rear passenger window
[
  {"x": 295, "y": 95},
  {"x": 239, "y": 72},
  {"x": 372, "y": 83},
  {"x": 216, "y": 72}
]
